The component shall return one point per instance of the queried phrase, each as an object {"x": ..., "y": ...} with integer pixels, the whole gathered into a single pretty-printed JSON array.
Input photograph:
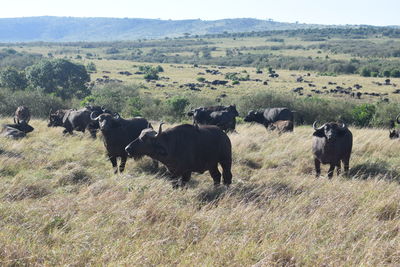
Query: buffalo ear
[{"x": 319, "y": 133}]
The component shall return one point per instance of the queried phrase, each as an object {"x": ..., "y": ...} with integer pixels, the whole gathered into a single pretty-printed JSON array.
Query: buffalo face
[
  {"x": 147, "y": 144},
  {"x": 55, "y": 120},
  {"x": 233, "y": 110},
  {"x": 393, "y": 134},
  {"x": 252, "y": 116},
  {"x": 329, "y": 130},
  {"x": 106, "y": 121}
]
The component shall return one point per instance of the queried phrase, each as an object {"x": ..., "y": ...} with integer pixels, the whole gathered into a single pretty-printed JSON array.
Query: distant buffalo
[
  {"x": 332, "y": 144},
  {"x": 22, "y": 114},
  {"x": 394, "y": 133},
  {"x": 76, "y": 120},
  {"x": 222, "y": 116},
  {"x": 269, "y": 116},
  {"x": 118, "y": 133},
  {"x": 187, "y": 148}
]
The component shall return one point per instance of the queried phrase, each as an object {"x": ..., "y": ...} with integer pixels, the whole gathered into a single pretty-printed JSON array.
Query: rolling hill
[{"x": 50, "y": 28}]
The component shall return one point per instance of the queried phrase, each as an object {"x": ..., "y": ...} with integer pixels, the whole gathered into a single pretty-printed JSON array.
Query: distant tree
[
  {"x": 13, "y": 79},
  {"x": 91, "y": 67},
  {"x": 395, "y": 73},
  {"x": 59, "y": 77},
  {"x": 177, "y": 105}
]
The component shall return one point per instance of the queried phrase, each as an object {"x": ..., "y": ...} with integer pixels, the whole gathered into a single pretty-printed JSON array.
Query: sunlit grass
[{"x": 61, "y": 204}]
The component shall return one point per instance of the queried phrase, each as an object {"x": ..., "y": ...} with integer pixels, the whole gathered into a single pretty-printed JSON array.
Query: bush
[
  {"x": 363, "y": 114},
  {"x": 395, "y": 73},
  {"x": 201, "y": 79},
  {"x": 177, "y": 106}
]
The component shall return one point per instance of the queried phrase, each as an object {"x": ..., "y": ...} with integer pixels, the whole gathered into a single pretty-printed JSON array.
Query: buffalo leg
[
  {"x": 92, "y": 133},
  {"x": 114, "y": 164},
  {"x": 185, "y": 178},
  {"x": 317, "y": 164},
  {"x": 330, "y": 171},
  {"x": 226, "y": 172},
  {"x": 122, "y": 164},
  {"x": 346, "y": 166},
  {"x": 215, "y": 174},
  {"x": 338, "y": 168}
]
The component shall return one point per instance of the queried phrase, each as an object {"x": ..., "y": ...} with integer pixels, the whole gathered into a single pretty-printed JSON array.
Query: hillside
[
  {"x": 106, "y": 29},
  {"x": 60, "y": 204}
]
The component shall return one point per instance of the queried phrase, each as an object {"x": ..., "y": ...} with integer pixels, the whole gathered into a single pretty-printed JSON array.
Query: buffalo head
[
  {"x": 147, "y": 143},
  {"x": 55, "y": 119},
  {"x": 106, "y": 121},
  {"x": 253, "y": 116},
  {"x": 329, "y": 130},
  {"x": 233, "y": 110},
  {"x": 393, "y": 134}
]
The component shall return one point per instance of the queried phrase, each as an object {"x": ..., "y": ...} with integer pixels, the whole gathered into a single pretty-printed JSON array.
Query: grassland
[{"x": 60, "y": 204}]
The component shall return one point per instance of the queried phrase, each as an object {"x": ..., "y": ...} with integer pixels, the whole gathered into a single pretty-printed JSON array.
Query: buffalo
[
  {"x": 268, "y": 116},
  {"x": 185, "y": 149},
  {"x": 332, "y": 144},
  {"x": 17, "y": 130},
  {"x": 77, "y": 120},
  {"x": 22, "y": 114},
  {"x": 118, "y": 133},
  {"x": 222, "y": 116},
  {"x": 394, "y": 133}
]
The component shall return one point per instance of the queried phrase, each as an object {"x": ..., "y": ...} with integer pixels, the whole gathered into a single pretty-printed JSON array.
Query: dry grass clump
[{"x": 61, "y": 204}]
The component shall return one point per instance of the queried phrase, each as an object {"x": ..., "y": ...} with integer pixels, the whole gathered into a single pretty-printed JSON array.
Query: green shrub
[
  {"x": 177, "y": 106},
  {"x": 201, "y": 79},
  {"x": 363, "y": 114}
]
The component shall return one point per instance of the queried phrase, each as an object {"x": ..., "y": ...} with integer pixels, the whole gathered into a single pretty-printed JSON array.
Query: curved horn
[
  {"x": 51, "y": 109},
  {"x": 315, "y": 126},
  {"x": 344, "y": 125},
  {"x": 397, "y": 118},
  {"x": 116, "y": 115},
  {"x": 92, "y": 118},
  {"x": 160, "y": 128}
]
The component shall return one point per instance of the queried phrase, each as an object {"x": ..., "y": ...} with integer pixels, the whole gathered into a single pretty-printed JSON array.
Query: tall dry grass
[{"x": 61, "y": 204}]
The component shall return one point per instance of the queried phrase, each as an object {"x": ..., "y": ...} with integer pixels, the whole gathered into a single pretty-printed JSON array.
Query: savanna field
[{"x": 61, "y": 204}]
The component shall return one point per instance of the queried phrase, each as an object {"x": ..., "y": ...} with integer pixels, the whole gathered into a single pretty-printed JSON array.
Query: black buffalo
[
  {"x": 118, "y": 133},
  {"x": 394, "y": 133},
  {"x": 332, "y": 144},
  {"x": 16, "y": 130},
  {"x": 77, "y": 120},
  {"x": 222, "y": 116},
  {"x": 22, "y": 114},
  {"x": 187, "y": 148},
  {"x": 270, "y": 115}
]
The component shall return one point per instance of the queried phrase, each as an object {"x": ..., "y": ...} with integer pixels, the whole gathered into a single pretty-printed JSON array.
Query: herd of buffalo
[{"x": 188, "y": 148}]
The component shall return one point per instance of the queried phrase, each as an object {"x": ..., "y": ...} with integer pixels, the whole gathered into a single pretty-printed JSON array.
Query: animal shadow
[
  {"x": 248, "y": 193},
  {"x": 372, "y": 169}
]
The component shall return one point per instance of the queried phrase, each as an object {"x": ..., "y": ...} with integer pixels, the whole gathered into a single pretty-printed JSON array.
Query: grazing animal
[
  {"x": 118, "y": 133},
  {"x": 22, "y": 114},
  {"x": 77, "y": 120},
  {"x": 221, "y": 116},
  {"x": 332, "y": 144},
  {"x": 185, "y": 149},
  {"x": 269, "y": 116},
  {"x": 282, "y": 126}
]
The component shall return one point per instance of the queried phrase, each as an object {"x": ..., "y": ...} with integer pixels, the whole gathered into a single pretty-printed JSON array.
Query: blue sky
[{"x": 382, "y": 12}]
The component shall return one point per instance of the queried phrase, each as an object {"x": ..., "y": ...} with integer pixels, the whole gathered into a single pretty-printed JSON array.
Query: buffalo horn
[
  {"x": 160, "y": 128},
  {"x": 93, "y": 118},
  {"x": 315, "y": 126},
  {"x": 397, "y": 118},
  {"x": 116, "y": 115}
]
